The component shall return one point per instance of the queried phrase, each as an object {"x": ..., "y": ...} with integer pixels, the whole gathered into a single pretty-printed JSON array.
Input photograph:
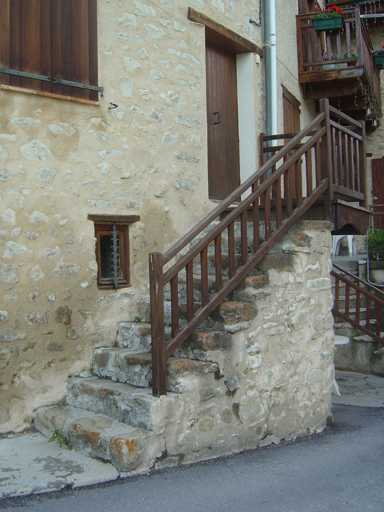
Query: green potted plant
[
  {"x": 352, "y": 56},
  {"x": 328, "y": 19}
]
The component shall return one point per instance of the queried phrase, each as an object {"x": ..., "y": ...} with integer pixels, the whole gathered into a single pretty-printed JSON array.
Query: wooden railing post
[
  {"x": 359, "y": 43},
  {"x": 157, "y": 323},
  {"x": 363, "y": 166},
  {"x": 327, "y": 159}
]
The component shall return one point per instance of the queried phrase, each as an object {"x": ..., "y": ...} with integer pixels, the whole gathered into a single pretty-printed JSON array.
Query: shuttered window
[{"x": 53, "y": 41}]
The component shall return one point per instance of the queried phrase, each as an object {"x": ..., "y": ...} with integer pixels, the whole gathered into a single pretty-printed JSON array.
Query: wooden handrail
[
  {"x": 188, "y": 237},
  {"x": 371, "y": 299},
  {"x": 294, "y": 177},
  {"x": 358, "y": 279}
]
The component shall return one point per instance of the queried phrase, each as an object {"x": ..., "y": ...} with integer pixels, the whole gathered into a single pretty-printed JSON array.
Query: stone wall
[
  {"x": 141, "y": 150},
  {"x": 276, "y": 379},
  {"x": 264, "y": 374}
]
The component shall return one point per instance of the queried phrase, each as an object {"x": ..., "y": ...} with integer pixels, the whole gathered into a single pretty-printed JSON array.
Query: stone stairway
[
  {"x": 228, "y": 388},
  {"x": 111, "y": 414}
]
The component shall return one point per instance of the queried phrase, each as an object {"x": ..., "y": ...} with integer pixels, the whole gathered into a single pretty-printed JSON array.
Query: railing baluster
[
  {"x": 279, "y": 205},
  {"x": 334, "y": 157},
  {"x": 337, "y": 294},
  {"x": 256, "y": 222},
  {"x": 267, "y": 213},
  {"x": 357, "y": 317},
  {"x": 204, "y": 276},
  {"x": 351, "y": 168},
  {"x": 345, "y": 161},
  {"x": 190, "y": 298},
  {"x": 378, "y": 320},
  {"x": 368, "y": 314},
  {"x": 288, "y": 196},
  {"x": 309, "y": 170},
  {"x": 340, "y": 158},
  {"x": 357, "y": 164},
  {"x": 175, "y": 305},
  {"x": 299, "y": 183},
  {"x": 244, "y": 238},
  {"x": 348, "y": 36},
  {"x": 156, "y": 283},
  {"x": 218, "y": 264},
  {"x": 318, "y": 163},
  {"x": 231, "y": 250},
  {"x": 346, "y": 303},
  {"x": 338, "y": 45}
]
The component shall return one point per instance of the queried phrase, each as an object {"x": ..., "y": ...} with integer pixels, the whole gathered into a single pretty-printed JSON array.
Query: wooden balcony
[{"x": 339, "y": 65}]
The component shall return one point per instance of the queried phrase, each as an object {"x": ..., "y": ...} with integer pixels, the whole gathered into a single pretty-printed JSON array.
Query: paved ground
[{"x": 311, "y": 472}]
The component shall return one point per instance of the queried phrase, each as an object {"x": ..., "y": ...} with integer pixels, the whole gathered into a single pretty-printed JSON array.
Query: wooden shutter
[
  {"x": 54, "y": 38},
  {"x": 74, "y": 46},
  {"x": 25, "y": 41}
]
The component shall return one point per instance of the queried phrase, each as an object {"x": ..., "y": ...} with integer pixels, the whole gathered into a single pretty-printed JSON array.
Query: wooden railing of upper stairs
[
  {"x": 367, "y": 301},
  {"x": 331, "y": 152}
]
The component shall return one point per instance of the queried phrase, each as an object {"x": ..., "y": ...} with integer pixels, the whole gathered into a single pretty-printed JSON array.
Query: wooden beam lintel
[{"x": 218, "y": 34}]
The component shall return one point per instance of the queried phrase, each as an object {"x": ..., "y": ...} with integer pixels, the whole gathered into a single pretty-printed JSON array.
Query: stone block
[
  {"x": 234, "y": 312},
  {"x": 120, "y": 401},
  {"x": 94, "y": 435},
  {"x": 278, "y": 262},
  {"x": 126, "y": 450},
  {"x": 122, "y": 365}
]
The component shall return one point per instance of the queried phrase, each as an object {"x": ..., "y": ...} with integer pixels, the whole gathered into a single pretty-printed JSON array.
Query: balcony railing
[{"x": 341, "y": 61}]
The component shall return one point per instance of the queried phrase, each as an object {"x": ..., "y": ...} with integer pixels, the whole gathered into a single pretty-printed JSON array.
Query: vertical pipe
[{"x": 270, "y": 66}]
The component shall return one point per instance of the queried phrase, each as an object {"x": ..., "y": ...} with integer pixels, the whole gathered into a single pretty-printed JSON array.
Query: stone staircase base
[{"x": 259, "y": 370}]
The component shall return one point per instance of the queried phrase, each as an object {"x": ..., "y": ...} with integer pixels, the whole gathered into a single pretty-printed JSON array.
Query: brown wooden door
[
  {"x": 222, "y": 119},
  {"x": 378, "y": 191}
]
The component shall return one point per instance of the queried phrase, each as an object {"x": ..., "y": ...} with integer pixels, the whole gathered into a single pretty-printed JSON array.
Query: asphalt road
[{"x": 338, "y": 470}]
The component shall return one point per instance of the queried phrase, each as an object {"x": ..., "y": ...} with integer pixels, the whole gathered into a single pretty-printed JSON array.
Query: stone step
[
  {"x": 201, "y": 344},
  {"x": 244, "y": 291},
  {"x": 136, "y": 336},
  {"x": 123, "y": 402},
  {"x": 225, "y": 264},
  {"x": 235, "y": 315},
  {"x": 122, "y": 365},
  {"x": 182, "y": 287},
  {"x": 242, "y": 312},
  {"x": 237, "y": 235},
  {"x": 94, "y": 435}
]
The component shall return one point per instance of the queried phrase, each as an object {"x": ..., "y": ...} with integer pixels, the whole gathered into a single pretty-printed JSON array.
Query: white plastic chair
[{"x": 336, "y": 242}]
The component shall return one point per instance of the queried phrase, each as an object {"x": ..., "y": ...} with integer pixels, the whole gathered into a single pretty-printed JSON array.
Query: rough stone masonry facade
[
  {"x": 278, "y": 374},
  {"x": 141, "y": 150}
]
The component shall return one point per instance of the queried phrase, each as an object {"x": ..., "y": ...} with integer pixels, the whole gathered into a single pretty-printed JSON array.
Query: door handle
[{"x": 217, "y": 119}]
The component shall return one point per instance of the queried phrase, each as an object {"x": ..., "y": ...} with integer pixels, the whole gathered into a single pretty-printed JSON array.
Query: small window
[{"x": 112, "y": 250}]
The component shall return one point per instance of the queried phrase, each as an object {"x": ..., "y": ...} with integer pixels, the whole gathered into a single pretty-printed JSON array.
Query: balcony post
[
  {"x": 363, "y": 166},
  {"x": 359, "y": 42},
  {"x": 157, "y": 323},
  {"x": 327, "y": 159}
]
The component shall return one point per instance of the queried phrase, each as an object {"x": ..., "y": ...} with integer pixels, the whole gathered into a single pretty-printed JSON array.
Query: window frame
[
  {"x": 105, "y": 229},
  {"x": 103, "y": 225}
]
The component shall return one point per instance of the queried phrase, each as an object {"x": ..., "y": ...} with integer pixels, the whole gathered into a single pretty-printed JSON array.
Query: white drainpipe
[{"x": 270, "y": 66}]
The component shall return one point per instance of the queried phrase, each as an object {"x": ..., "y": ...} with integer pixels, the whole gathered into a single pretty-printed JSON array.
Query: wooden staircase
[{"x": 201, "y": 301}]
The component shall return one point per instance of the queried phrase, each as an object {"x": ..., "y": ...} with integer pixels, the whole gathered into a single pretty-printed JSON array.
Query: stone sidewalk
[{"x": 31, "y": 465}]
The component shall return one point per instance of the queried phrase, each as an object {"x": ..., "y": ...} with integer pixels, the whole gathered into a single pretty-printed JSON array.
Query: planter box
[
  {"x": 378, "y": 59},
  {"x": 377, "y": 272},
  {"x": 327, "y": 24}
]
